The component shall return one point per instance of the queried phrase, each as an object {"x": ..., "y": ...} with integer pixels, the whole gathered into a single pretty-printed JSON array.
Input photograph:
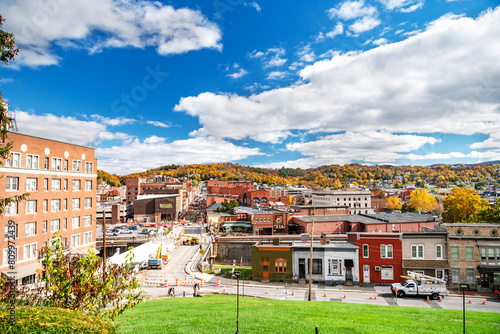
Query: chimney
[{"x": 322, "y": 239}]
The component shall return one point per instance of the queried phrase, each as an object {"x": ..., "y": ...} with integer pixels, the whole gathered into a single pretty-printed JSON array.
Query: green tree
[
  {"x": 8, "y": 51},
  {"x": 227, "y": 206},
  {"x": 461, "y": 205}
]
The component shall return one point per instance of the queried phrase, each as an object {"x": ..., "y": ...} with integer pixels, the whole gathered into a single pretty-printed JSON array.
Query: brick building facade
[
  {"x": 474, "y": 255},
  {"x": 61, "y": 179},
  {"x": 380, "y": 257}
]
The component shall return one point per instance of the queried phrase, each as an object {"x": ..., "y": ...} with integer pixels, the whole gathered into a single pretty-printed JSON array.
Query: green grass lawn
[{"x": 217, "y": 314}]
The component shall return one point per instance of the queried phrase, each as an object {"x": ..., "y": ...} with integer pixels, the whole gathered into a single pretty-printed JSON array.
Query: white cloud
[
  {"x": 238, "y": 74},
  {"x": 112, "y": 121},
  {"x": 67, "y": 129},
  {"x": 306, "y": 54},
  {"x": 272, "y": 57},
  {"x": 380, "y": 41},
  {"x": 159, "y": 124},
  {"x": 155, "y": 151},
  {"x": 95, "y": 25},
  {"x": 338, "y": 30},
  {"x": 364, "y": 24},
  {"x": 256, "y": 6},
  {"x": 274, "y": 75},
  {"x": 393, "y": 4},
  {"x": 412, "y": 8},
  {"x": 418, "y": 85},
  {"x": 349, "y": 10}
]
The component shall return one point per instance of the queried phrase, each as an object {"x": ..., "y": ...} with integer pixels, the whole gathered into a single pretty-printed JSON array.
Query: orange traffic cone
[
  {"x": 375, "y": 297},
  {"x": 427, "y": 298},
  {"x": 371, "y": 296},
  {"x": 470, "y": 301},
  {"x": 293, "y": 293},
  {"x": 267, "y": 291},
  {"x": 344, "y": 296},
  {"x": 440, "y": 299},
  {"x": 484, "y": 301},
  {"x": 224, "y": 289},
  {"x": 324, "y": 294}
]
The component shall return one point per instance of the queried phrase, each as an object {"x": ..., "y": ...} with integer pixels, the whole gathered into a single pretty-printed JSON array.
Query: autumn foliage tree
[
  {"x": 393, "y": 203},
  {"x": 461, "y": 205},
  {"x": 420, "y": 200}
]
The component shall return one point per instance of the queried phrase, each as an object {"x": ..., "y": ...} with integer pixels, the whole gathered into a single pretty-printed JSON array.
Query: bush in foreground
[{"x": 47, "y": 320}]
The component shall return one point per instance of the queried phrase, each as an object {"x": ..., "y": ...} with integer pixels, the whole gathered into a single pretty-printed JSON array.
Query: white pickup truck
[{"x": 420, "y": 285}]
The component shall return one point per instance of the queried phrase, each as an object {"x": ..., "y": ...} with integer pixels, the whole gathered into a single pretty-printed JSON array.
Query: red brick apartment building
[
  {"x": 238, "y": 188},
  {"x": 61, "y": 179}
]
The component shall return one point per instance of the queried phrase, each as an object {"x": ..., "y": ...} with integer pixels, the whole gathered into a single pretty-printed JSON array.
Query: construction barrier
[
  {"x": 154, "y": 280},
  {"x": 202, "y": 282},
  {"x": 218, "y": 281},
  {"x": 166, "y": 283},
  {"x": 176, "y": 282}
]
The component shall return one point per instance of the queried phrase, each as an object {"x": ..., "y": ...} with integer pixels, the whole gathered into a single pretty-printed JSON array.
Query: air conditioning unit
[{"x": 377, "y": 268}]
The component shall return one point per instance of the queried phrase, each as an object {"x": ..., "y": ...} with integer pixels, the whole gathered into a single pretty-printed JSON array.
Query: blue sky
[{"x": 261, "y": 83}]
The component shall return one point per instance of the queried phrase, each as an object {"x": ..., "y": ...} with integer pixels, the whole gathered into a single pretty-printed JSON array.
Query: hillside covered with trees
[{"x": 334, "y": 176}]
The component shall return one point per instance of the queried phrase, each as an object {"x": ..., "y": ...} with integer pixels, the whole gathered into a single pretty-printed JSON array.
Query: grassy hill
[{"x": 217, "y": 314}]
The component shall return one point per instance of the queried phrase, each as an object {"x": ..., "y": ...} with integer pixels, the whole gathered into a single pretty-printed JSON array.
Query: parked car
[
  {"x": 133, "y": 228},
  {"x": 144, "y": 231},
  {"x": 113, "y": 233},
  {"x": 127, "y": 231}
]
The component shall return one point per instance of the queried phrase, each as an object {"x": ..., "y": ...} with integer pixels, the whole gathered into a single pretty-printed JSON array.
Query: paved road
[{"x": 357, "y": 296}]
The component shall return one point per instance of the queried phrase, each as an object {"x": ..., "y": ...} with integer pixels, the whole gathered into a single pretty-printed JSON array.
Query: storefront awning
[
  {"x": 23, "y": 271},
  {"x": 238, "y": 224},
  {"x": 349, "y": 263},
  {"x": 488, "y": 269}
]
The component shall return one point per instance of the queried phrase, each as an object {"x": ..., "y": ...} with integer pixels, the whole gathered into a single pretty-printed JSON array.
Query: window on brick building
[
  {"x": 56, "y": 163},
  {"x": 32, "y": 161},
  {"x": 469, "y": 254},
  {"x": 14, "y": 161},
  {"x": 417, "y": 251},
  {"x": 386, "y": 251},
  {"x": 365, "y": 251},
  {"x": 454, "y": 252},
  {"x": 439, "y": 252},
  {"x": 12, "y": 183}
]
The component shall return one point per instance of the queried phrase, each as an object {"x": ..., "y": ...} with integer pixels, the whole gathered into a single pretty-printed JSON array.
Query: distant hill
[{"x": 334, "y": 176}]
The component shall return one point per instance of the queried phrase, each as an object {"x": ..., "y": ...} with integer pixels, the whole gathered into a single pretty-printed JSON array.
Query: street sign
[
  {"x": 464, "y": 287},
  {"x": 202, "y": 251},
  {"x": 237, "y": 274},
  {"x": 217, "y": 270},
  {"x": 165, "y": 262}
]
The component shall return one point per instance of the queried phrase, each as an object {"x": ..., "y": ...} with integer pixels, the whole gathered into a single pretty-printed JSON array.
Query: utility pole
[
  {"x": 104, "y": 244},
  {"x": 311, "y": 261}
]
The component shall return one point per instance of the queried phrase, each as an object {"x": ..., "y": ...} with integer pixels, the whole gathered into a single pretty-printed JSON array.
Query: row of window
[
  {"x": 30, "y": 250},
  {"x": 32, "y": 162},
  {"x": 417, "y": 251},
  {"x": 56, "y": 184},
  {"x": 55, "y": 206},
  {"x": 469, "y": 275},
  {"x": 31, "y": 228},
  {"x": 385, "y": 251}
]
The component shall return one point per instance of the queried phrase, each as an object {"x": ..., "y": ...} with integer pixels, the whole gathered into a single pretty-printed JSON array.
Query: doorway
[
  {"x": 302, "y": 268},
  {"x": 265, "y": 267},
  {"x": 366, "y": 273},
  {"x": 485, "y": 280}
]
